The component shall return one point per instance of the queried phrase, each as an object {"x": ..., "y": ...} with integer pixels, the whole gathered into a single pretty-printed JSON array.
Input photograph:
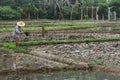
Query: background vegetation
[{"x": 53, "y": 9}]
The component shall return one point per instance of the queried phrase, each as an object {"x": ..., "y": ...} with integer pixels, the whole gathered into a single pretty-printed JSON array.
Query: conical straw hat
[{"x": 21, "y": 23}]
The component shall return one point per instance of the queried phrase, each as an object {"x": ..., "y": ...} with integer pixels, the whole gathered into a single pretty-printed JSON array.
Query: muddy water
[{"x": 63, "y": 76}]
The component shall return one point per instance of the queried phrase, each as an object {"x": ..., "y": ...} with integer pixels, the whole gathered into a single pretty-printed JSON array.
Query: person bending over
[{"x": 18, "y": 31}]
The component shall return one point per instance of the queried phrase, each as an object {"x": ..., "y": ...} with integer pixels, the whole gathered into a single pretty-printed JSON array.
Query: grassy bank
[
  {"x": 13, "y": 47},
  {"x": 48, "y": 27},
  {"x": 68, "y": 41},
  {"x": 21, "y": 49},
  {"x": 36, "y": 26}
]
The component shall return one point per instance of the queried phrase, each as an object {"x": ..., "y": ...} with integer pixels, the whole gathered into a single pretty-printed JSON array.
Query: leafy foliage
[
  {"x": 116, "y": 6},
  {"x": 67, "y": 11},
  {"x": 7, "y": 12},
  {"x": 103, "y": 10},
  {"x": 51, "y": 9}
]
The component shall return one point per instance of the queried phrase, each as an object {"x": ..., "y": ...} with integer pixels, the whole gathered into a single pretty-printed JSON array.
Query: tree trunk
[
  {"x": 81, "y": 13},
  {"x": 76, "y": 1},
  {"x": 55, "y": 11},
  {"x": 97, "y": 8},
  {"x": 102, "y": 17},
  {"x": 61, "y": 15},
  {"x": 37, "y": 16},
  {"x": 109, "y": 12},
  {"x": 71, "y": 14},
  {"x": 29, "y": 17},
  {"x": 92, "y": 12}
]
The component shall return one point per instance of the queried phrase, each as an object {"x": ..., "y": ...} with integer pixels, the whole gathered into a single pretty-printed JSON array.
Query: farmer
[{"x": 18, "y": 31}]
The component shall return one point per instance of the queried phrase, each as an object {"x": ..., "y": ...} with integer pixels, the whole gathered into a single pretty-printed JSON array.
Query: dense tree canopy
[
  {"x": 116, "y": 6},
  {"x": 53, "y": 9}
]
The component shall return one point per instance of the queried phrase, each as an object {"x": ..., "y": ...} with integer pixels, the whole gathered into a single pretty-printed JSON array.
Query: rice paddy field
[
  {"x": 60, "y": 31},
  {"x": 68, "y": 43}
]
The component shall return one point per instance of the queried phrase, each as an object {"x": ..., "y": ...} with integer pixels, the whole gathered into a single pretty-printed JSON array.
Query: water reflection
[{"x": 63, "y": 76}]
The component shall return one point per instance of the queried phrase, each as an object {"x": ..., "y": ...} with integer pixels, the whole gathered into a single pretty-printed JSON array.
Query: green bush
[{"x": 7, "y": 13}]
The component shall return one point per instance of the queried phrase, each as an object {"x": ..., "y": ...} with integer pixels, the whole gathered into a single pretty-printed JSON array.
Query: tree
[
  {"x": 67, "y": 11},
  {"x": 103, "y": 10},
  {"x": 116, "y": 6},
  {"x": 56, "y": 9},
  {"x": 30, "y": 10},
  {"x": 20, "y": 11},
  {"x": 8, "y": 13},
  {"x": 7, "y": 3}
]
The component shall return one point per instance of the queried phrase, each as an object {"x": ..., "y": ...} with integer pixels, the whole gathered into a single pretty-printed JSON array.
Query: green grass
[
  {"x": 37, "y": 27},
  {"x": 115, "y": 28},
  {"x": 68, "y": 41},
  {"x": 58, "y": 27},
  {"x": 2, "y": 31},
  {"x": 93, "y": 63},
  {"x": 20, "y": 49},
  {"x": 13, "y": 47},
  {"x": 50, "y": 27}
]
